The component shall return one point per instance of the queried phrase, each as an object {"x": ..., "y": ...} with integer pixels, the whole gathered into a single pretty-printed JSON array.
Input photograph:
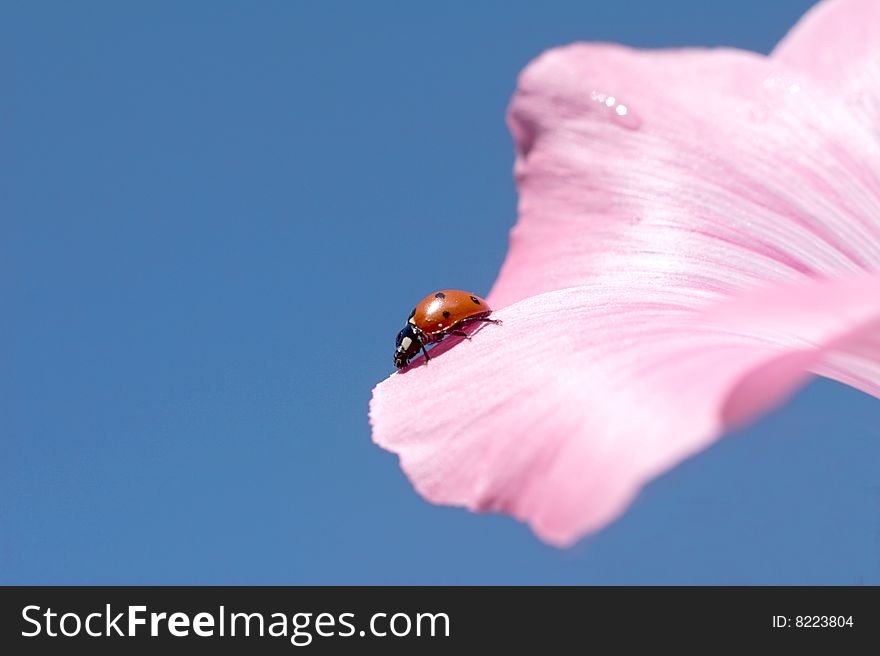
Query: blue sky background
[{"x": 215, "y": 218}]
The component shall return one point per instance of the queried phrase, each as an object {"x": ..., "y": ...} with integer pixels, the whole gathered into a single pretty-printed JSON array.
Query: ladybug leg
[
  {"x": 457, "y": 333},
  {"x": 425, "y": 351},
  {"x": 463, "y": 322}
]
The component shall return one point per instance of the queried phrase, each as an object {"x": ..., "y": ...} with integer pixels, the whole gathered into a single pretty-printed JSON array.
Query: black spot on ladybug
[
  {"x": 445, "y": 315},
  {"x": 440, "y": 295},
  {"x": 475, "y": 300}
]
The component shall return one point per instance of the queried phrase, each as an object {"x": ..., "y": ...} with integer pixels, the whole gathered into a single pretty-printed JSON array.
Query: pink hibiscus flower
[{"x": 698, "y": 233}]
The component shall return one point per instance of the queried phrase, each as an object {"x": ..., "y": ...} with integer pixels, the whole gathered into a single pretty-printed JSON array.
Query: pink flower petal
[
  {"x": 561, "y": 414},
  {"x": 679, "y": 212},
  {"x": 836, "y": 42},
  {"x": 731, "y": 179}
]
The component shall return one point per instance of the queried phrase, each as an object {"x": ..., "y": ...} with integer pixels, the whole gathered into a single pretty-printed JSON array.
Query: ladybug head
[{"x": 408, "y": 345}]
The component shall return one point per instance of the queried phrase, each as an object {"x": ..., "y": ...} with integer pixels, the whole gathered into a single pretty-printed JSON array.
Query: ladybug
[{"x": 439, "y": 315}]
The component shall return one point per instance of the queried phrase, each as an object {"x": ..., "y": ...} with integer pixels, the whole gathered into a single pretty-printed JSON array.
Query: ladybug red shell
[{"x": 436, "y": 317}]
